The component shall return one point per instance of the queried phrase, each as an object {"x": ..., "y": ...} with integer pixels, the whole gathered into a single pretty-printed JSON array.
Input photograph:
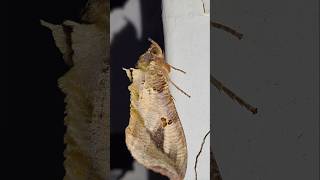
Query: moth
[
  {"x": 215, "y": 173},
  {"x": 154, "y": 136}
]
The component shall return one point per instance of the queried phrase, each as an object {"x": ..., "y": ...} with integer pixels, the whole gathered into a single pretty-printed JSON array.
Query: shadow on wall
[{"x": 126, "y": 47}]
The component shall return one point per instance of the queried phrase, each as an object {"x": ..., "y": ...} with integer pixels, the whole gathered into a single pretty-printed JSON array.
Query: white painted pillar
[{"x": 187, "y": 46}]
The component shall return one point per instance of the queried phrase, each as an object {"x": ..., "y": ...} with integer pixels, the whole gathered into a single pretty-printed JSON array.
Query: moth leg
[
  {"x": 177, "y": 69},
  {"x": 179, "y": 88},
  {"x": 232, "y": 95},
  {"x": 226, "y": 29}
]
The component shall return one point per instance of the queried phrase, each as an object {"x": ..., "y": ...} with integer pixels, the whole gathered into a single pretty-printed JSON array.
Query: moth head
[{"x": 154, "y": 53}]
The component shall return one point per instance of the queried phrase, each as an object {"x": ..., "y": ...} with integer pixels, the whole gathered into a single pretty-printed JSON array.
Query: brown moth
[{"x": 155, "y": 135}]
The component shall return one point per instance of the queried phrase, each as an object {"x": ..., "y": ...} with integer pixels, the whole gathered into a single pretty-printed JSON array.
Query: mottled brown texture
[
  {"x": 151, "y": 139},
  {"x": 85, "y": 48}
]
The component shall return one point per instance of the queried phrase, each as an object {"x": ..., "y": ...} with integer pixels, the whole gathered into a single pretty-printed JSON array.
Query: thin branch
[{"x": 196, "y": 163}]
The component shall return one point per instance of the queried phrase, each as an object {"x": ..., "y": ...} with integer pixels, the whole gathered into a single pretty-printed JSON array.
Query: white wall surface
[{"x": 187, "y": 42}]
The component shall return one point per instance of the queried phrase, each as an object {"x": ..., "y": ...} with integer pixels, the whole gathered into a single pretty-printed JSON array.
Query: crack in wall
[{"x": 196, "y": 162}]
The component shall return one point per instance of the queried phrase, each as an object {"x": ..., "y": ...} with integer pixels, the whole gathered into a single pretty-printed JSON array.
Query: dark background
[
  {"x": 35, "y": 128},
  {"x": 34, "y": 118},
  {"x": 125, "y": 50},
  {"x": 276, "y": 68}
]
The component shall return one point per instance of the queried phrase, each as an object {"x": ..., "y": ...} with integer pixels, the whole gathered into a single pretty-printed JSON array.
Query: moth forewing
[{"x": 155, "y": 136}]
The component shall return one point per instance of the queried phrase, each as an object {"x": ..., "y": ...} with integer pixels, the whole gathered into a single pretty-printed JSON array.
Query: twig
[{"x": 195, "y": 164}]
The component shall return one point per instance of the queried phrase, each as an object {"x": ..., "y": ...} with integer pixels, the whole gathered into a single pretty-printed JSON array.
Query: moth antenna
[
  {"x": 155, "y": 44},
  {"x": 227, "y": 29},
  {"x": 152, "y": 41},
  {"x": 177, "y": 69},
  {"x": 179, "y": 88},
  {"x": 232, "y": 95}
]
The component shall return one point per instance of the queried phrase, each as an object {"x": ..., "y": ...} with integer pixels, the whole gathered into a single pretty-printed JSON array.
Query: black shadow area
[{"x": 125, "y": 51}]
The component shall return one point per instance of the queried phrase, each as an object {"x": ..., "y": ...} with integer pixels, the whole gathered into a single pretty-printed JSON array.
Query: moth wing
[{"x": 158, "y": 147}]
